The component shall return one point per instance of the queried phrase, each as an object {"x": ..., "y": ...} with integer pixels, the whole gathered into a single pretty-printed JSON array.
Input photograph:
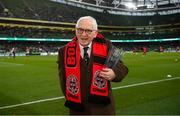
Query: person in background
[
  {"x": 27, "y": 51},
  {"x": 144, "y": 49},
  {"x": 85, "y": 79},
  {"x": 161, "y": 49},
  {"x": 12, "y": 53}
]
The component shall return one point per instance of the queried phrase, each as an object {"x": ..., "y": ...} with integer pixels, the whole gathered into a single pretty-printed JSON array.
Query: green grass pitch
[{"x": 28, "y": 79}]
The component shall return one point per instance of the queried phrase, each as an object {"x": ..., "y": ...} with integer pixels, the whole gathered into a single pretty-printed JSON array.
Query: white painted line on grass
[
  {"x": 33, "y": 102},
  {"x": 62, "y": 97},
  {"x": 9, "y": 63},
  {"x": 145, "y": 83}
]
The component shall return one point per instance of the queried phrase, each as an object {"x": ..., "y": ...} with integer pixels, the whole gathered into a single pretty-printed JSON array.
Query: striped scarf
[{"x": 99, "y": 89}]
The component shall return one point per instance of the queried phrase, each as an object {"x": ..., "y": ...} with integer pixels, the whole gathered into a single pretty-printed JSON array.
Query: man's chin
[{"x": 84, "y": 44}]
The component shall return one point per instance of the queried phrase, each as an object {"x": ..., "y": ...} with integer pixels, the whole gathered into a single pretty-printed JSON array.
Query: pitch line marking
[
  {"x": 62, "y": 97},
  {"x": 9, "y": 63},
  {"x": 32, "y": 102},
  {"x": 145, "y": 83}
]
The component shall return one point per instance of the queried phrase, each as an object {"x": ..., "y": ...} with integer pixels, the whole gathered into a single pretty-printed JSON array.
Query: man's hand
[{"x": 107, "y": 73}]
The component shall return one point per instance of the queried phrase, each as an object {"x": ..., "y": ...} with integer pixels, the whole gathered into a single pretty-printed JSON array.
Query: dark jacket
[{"x": 90, "y": 109}]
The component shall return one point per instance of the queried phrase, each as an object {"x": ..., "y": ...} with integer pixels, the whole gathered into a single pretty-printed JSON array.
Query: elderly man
[{"x": 84, "y": 77}]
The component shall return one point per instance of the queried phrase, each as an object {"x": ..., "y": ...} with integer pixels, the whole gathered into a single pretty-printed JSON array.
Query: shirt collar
[{"x": 81, "y": 47}]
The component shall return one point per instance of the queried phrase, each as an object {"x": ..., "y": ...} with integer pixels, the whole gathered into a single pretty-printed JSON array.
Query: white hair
[{"x": 94, "y": 22}]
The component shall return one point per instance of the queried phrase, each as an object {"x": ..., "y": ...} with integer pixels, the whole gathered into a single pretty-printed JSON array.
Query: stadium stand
[
  {"x": 53, "y": 19},
  {"x": 53, "y": 11}
]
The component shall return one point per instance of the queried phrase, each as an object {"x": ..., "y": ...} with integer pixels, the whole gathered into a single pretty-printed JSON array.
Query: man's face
[{"x": 85, "y": 32}]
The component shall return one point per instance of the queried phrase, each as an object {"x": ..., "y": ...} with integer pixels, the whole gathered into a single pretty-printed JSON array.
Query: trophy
[{"x": 114, "y": 55}]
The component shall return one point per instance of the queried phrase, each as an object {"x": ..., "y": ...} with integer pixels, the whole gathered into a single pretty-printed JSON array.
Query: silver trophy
[{"x": 114, "y": 55}]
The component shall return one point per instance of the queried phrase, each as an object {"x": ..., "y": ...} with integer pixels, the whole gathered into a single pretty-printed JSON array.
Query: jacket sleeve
[
  {"x": 61, "y": 71},
  {"x": 120, "y": 71}
]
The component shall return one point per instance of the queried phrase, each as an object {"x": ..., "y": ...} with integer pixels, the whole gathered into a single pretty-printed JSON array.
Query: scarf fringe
[
  {"x": 99, "y": 99},
  {"x": 74, "y": 106}
]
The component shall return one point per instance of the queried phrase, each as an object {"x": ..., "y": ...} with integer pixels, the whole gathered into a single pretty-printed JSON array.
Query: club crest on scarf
[
  {"x": 99, "y": 81},
  {"x": 72, "y": 84}
]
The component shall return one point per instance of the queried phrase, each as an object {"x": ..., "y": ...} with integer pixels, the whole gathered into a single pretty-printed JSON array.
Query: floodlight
[{"x": 130, "y": 5}]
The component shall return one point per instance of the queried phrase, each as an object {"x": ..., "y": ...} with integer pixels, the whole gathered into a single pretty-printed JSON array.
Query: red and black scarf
[{"x": 99, "y": 89}]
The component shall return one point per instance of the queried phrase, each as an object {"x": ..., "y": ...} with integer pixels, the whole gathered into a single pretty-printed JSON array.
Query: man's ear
[{"x": 96, "y": 32}]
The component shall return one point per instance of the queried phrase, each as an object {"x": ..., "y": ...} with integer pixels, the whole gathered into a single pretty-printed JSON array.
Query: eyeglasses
[{"x": 87, "y": 31}]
